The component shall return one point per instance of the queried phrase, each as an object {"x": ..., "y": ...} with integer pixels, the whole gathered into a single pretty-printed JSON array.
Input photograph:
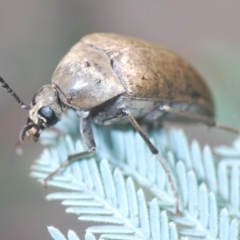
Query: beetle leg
[
  {"x": 107, "y": 118},
  {"x": 154, "y": 150},
  {"x": 87, "y": 134},
  {"x": 197, "y": 117}
]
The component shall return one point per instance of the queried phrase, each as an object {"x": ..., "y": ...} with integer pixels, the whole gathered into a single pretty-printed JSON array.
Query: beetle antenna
[{"x": 5, "y": 85}]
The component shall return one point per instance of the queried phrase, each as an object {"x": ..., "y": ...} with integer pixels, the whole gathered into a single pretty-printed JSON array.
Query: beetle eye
[{"x": 48, "y": 115}]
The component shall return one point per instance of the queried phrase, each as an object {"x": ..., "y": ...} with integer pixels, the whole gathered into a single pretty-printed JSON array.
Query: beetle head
[{"x": 45, "y": 111}]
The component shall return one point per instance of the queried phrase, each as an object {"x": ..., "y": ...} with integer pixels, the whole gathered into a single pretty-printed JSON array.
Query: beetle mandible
[{"x": 111, "y": 78}]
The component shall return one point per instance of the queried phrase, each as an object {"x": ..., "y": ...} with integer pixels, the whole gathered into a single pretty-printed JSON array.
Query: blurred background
[{"x": 34, "y": 36}]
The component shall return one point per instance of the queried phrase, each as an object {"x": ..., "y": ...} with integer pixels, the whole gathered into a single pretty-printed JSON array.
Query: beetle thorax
[{"x": 45, "y": 105}]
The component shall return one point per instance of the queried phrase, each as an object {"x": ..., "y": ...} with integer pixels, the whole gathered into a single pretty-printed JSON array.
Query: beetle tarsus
[
  {"x": 58, "y": 170},
  {"x": 227, "y": 128},
  {"x": 71, "y": 158},
  {"x": 43, "y": 182},
  {"x": 170, "y": 179}
]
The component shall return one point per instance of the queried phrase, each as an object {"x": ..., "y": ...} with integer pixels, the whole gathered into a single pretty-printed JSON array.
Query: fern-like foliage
[
  {"x": 102, "y": 188},
  {"x": 57, "y": 235}
]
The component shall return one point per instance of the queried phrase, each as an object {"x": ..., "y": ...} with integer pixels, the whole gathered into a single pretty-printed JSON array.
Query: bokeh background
[{"x": 34, "y": 35}]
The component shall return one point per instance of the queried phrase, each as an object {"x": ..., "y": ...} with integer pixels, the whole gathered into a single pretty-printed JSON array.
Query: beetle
[{"x": 109, "y": 78}]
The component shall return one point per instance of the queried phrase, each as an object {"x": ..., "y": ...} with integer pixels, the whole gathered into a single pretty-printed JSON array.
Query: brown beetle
[{"x": 111, "y": 78}]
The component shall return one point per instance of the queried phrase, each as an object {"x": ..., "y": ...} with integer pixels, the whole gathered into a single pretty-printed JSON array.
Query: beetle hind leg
[
  {"x": 154, "y": 150},
  {"x": 197, "y": 117}
]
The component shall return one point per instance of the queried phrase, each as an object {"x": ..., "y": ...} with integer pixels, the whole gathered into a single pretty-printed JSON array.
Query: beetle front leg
[
  {"x": 154, "y": 150},
  {"x": 87, "y": 134},
  {"x": 109, "y": 117}
]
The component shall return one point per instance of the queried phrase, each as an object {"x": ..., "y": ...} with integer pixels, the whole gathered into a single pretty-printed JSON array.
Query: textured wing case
[
  {"x": 85, "y": 78},
  {"x": 153, "y": 72}
]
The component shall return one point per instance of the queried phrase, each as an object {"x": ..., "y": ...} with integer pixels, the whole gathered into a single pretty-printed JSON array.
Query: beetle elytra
[{"x": 109, "y": 78}]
